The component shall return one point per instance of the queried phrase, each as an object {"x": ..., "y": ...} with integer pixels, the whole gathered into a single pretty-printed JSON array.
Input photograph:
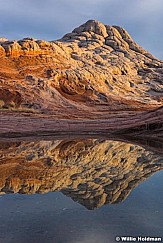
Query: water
[{"x": 71, "y": 191}]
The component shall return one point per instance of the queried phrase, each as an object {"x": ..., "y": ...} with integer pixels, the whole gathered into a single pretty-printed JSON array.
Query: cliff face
[
  {"x": 93, "y": 172},
  {"x": 93, "y": 70}
]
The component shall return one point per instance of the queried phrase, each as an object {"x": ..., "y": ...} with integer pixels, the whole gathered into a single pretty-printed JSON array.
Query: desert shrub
[
  {"x": 11, "y": 104},
  {"x": 1, "y": 103}
]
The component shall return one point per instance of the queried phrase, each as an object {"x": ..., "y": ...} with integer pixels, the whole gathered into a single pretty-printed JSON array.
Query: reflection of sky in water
[
  {"x": 55, "y": 218},
  {"x": 52, "y": 19}
]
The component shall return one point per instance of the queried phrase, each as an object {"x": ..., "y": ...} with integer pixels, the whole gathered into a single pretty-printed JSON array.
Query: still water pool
[{"x": 70, "y": 191}]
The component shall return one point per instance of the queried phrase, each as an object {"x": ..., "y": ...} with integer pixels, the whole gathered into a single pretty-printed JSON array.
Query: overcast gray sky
[{"x": 51, "y": 19}]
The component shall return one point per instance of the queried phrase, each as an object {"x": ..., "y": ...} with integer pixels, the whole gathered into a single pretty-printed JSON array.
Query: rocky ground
[{"x": 96, "y": 73}]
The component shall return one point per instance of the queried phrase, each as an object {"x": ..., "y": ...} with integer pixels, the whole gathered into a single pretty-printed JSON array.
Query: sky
[{"x": 51, "y": 19}]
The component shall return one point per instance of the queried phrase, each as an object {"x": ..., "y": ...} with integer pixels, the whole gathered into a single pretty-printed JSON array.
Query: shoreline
[{"x": 27, "y": 124}]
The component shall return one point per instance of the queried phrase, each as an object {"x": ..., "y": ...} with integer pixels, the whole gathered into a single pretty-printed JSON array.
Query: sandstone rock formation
[
  {"x": 88, "y": 74},
  {"x": 93, "y": 172}
]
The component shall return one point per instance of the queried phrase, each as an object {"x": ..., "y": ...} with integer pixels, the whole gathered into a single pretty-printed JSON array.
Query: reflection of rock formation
[{"x": 93, "y": 172}]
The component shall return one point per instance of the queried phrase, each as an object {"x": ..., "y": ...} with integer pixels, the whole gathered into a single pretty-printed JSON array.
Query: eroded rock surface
[
  {"x": 93, "y": 172},
  {"x": 95, "y": 69}
]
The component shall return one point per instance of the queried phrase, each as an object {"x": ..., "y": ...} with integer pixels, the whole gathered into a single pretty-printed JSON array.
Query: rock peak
[
  {"x": 2, "y": 39},
  {"x": 93, "y": 34},
  {"x": 92, "y": 26}
]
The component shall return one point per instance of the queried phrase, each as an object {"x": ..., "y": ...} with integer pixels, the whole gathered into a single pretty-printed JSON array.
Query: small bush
[{"x": 1, "y": 103}]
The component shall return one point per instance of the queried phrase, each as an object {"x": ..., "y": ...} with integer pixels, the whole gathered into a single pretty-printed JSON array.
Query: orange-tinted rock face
[
  {"x": 96, "y": 67},
  {"x": 91, "y": 73},
  {"x": 2, "y": 52}
]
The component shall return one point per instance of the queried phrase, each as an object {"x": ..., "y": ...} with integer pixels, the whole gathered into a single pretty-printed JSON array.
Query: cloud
[{"x": 52, "y": 19}]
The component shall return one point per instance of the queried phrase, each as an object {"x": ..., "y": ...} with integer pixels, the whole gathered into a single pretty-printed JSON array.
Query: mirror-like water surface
[{"x": 85, "y": 190}]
